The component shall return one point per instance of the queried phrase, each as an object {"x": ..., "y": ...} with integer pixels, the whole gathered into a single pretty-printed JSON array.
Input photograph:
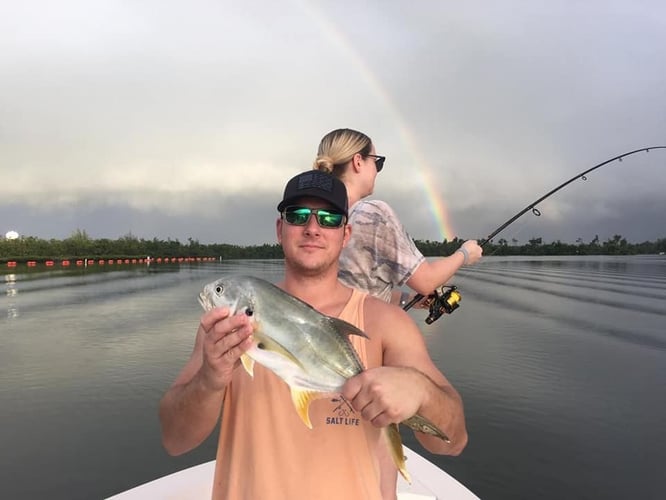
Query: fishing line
[{"x": 439, "y": 303}]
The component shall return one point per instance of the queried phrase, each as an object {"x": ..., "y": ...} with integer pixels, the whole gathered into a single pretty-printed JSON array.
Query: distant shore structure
[
  {"x": 110, "y": 261},
  {"x": 11, "y": 235}
]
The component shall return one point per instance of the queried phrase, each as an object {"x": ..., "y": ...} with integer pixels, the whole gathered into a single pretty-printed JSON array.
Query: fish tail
[
  {"x": 397, "y": 453},
  {"x": 422, "y": 424}
]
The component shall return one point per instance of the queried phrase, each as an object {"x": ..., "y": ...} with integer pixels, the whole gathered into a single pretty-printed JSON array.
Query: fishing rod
[
  {"x": 446, "y": 299},
  {"x": 532, "y": 206}
]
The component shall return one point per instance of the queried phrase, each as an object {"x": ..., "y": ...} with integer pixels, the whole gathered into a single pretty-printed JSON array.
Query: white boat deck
[{"x": 429, "y": 482}]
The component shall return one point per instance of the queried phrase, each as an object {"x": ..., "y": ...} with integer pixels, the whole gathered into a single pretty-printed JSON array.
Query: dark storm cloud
[{"x": 118, "y": 117}]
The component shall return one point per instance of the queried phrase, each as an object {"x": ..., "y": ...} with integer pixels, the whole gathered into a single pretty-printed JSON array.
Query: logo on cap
[{"x": 311, "y": 180}]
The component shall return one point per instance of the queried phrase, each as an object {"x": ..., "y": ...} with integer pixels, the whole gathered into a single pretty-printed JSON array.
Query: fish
[{"x": 310, "y": 351}]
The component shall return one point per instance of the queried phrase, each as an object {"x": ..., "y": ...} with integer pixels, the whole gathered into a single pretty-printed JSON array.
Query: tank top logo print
[{"x": 342, "y": 413}]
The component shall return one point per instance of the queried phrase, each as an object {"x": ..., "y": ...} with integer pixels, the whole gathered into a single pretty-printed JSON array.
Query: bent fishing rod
[{"x": 446, "y": 301}]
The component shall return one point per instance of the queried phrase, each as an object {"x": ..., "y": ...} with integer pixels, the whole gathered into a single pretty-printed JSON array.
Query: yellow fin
[
  {"x": 302, "y": 400},
  {"x": 248, "y": 364},
  {"x": 397, "y": 453}
]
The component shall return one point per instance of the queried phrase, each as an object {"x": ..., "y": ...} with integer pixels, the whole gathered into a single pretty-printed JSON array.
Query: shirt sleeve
[{"x": 380, "y": 254}]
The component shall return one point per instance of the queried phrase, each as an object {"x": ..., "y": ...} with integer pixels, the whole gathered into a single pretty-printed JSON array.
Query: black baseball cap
[{"x": 316, "y": 184}]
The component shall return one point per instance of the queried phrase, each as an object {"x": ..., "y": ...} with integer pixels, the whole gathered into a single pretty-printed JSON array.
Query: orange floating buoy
[
  {"x": 49, "y": 263},
  {"x": 11, "y": 263}
]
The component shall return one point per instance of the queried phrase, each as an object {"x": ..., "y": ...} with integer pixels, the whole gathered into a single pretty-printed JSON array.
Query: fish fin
[
  {"x": 268, "y": 344},
  {"x": 248, "y": 364},
  {"x": 344, "y": 327},
  {"x": 422, "y": 424},
  {"x": 302, "y": 400},
  {"x": 397, "y": 453}
]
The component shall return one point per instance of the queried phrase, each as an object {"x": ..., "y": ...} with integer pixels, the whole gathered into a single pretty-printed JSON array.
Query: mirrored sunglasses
[{"x": 299, "y": 216}]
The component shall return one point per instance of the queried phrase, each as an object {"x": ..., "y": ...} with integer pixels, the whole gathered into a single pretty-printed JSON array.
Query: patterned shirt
[{"x": 380, "y": 254}]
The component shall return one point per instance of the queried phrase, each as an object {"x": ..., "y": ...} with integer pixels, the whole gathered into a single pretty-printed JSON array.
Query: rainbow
[{"x": 435, "y": 201}]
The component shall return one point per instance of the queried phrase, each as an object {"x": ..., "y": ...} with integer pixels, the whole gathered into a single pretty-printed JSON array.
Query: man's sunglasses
[
  {"x": 379, "y": 161},
  {"x": 299, "y": 216}
]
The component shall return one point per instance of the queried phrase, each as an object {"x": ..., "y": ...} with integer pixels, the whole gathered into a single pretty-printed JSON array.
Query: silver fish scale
[{"x": 319, "y": 342}]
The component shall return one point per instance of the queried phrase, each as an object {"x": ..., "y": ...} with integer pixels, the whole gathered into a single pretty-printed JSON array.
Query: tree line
[
  {"x": 617, "y": 245},
  {"x": 80, "y": 245}
]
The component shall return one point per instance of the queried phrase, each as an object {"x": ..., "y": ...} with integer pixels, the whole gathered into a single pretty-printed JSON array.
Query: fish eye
[
  {"x": 249, "y": 312},
  {"x": 219, "y": 289},
  {"x": 261, "y": 345}
]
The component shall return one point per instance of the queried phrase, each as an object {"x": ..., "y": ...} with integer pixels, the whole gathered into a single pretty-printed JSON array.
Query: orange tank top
[{"x": 266, "y": 452}]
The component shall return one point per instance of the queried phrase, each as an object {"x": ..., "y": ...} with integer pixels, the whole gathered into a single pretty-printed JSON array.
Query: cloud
[{"x": 155, "y": 112}]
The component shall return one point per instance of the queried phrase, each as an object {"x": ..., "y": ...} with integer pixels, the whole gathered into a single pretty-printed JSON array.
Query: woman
[{"x": 381, "y": 255}]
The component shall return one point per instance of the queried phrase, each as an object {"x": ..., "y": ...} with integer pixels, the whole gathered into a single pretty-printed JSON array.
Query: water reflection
[
  {"x": 11, "y": 291},
  {"x": 563, "y": 361}
]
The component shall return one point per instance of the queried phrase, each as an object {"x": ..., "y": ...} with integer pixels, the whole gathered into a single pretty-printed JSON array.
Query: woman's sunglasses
[
  {"x": 379, "y": 161},
  {"x": 299, "y": 216}
]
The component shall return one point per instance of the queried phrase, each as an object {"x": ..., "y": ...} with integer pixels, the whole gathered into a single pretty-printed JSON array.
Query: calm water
[{"x": 561, "y": 363}]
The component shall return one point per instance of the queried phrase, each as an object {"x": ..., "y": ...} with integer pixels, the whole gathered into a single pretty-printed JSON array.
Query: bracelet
[
  {"x": 465, "y": 253},
  {"x": 403, "y": 299}
]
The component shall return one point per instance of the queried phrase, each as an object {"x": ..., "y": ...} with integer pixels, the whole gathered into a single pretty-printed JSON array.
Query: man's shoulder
[
  {"x": 378, "y": 312},
  {"x": 395, "y": 330}
]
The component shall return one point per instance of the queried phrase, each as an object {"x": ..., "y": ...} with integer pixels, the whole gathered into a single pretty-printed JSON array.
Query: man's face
[{"x": 310, "y": 248}]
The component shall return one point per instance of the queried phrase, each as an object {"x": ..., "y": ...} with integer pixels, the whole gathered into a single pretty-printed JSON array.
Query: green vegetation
[
  {"x": 80, "y": 245},
  {"x": 617, "y": 245}
]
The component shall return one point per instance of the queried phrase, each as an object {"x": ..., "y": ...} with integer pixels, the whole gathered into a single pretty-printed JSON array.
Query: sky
[{"x": 180, "y": 120}]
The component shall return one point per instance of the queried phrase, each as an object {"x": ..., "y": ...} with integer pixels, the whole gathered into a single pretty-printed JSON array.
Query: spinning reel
[{"x": 446, "y": 299}]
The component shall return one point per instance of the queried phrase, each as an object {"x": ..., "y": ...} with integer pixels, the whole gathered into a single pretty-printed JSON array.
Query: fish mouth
[
  {"x": 208, "y": 304},
  {"x": 205, "y": 302}
]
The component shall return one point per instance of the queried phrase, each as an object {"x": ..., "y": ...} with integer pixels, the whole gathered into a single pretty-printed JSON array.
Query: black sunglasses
[
  {"x": 299, "y": 216},
  {"x": 379, "y": 161}
]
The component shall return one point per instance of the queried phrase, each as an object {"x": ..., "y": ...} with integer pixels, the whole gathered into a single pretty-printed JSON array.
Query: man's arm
[
  {"x": 408, "y": 383},
  {"x": 190, "y": 409}
]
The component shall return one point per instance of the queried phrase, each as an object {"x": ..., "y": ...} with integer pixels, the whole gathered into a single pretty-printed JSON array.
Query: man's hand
[
  {"x": 386, "y": 395},
  {"x": 226, "y": 338}
]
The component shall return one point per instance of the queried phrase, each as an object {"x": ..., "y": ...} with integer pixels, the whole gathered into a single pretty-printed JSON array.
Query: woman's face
[{"x": 370, "y": 170}]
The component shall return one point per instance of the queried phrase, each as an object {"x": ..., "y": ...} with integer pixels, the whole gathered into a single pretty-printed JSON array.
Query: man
[{"x": 264, "y": 450}]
